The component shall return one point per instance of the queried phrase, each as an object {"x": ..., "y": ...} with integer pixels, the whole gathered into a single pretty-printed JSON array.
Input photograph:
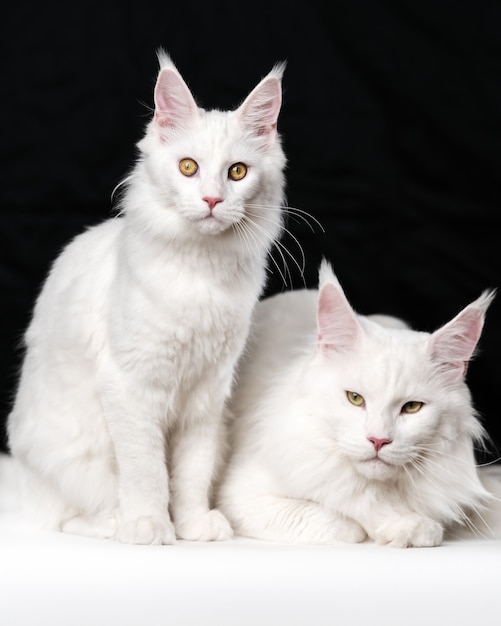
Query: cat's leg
[
  {"x": 290, "y": 520},
  {"x": 42, "y": 503},
  {"x": 46, "y": 507},
  {"x": 82, "y": 500},
  {"x": 194, "y": 455},
  {"x": 135, "y": 416},
  {"x": 69, "y": 473},
  {"x": 144, "y": 488}
]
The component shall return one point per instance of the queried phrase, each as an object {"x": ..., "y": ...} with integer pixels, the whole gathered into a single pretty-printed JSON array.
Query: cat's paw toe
[
  {"x": 147, "y": 530},
  {"x": 349, "y": 531},
  {"x": 411, "y": 531},
  {"x": 209, "y": 526}
]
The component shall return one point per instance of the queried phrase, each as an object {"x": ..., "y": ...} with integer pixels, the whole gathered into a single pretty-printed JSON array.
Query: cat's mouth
[
  {"x": 376, "y": 467},
  {"x": 377, "y": 460},
  {"x": 212, "y": 224}
]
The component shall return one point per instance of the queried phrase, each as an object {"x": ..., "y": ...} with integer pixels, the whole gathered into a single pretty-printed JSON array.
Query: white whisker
[
  {"x": 119, "y": 186},
  {"x": 413, "y": 482},
  {"x": 279, "y": 246},
  {"x": 460, "y": 513},
  {"x": 293, "y": 211},
  {"x": 489, "y": 463}
]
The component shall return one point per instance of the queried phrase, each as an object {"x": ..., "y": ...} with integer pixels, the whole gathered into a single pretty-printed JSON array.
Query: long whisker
[
  {"x": 461, "y": 514},
  {"x": 413, "y": 482},
  {"x": 437, "y": 448},
  {"x": 119, "y": 186},
  {"x": 245, "y": 239},
  {"x": 417, "y": 466},
  {"x": 436, "y": 458},
  {"x": 251, "y": 237},
  {"x": 293, "y": 211},
  {"x": 279, "y": 247},
  {"x": 279, "y": 244},
  {"x": 286, "y": 272},
  {"x": 441, "y": 442}
]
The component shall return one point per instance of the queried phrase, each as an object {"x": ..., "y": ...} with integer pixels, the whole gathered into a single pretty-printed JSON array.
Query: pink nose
[
  {"x": 378, "y": 443},
  {"x": 211, "y": 201}
]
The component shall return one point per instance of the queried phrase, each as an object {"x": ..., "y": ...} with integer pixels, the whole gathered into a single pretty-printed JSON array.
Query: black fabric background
[{"x": 391, "y": 122}]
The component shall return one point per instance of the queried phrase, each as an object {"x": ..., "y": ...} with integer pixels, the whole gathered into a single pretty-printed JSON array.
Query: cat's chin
[
  {"x": 212, "y": 226},
  {"x": 376, "y": 469}
]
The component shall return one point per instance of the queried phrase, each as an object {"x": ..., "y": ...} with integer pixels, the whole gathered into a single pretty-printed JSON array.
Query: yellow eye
[
  {"x": 412, "y": 407},
  {"x": 355, "y": 398},
  {"x": 237, "y": 171},
  {"x": 188, "y": 167}
]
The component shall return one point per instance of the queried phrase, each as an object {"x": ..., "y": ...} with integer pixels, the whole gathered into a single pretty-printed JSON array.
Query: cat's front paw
[
  {"x": 209, "y": 526},
  {"x": 410, "y": 531},
  {"x": 347, "y": 531},
  {"x": 147, "y": 529}
]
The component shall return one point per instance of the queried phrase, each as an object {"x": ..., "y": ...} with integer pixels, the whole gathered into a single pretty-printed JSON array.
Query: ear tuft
[
  {"x": 175, "y": 106},
  {"x": 164, "y": 60},
  {"x": 453, "y": 345},
  {"x": 326, "y": 274},
  {"x": 259, "y": 111},
  {"x": 337, "y": 324}
]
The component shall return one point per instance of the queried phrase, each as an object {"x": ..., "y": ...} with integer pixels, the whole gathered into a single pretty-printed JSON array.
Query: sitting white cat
[
  {"x": 347, "y": 427},
  {"x": 117, "y": 422}
]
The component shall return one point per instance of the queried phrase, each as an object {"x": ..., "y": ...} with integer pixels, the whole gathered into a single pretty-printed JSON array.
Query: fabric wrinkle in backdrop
[{"x": 391, "y": 124}]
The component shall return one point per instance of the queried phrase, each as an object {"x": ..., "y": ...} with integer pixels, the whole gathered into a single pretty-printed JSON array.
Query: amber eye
[
  {"x": 355, "y": 398},
  {"x": 237, "y": 171},
  {"x": 188, "y": 167},
  {"x": 412, "y": 407}
]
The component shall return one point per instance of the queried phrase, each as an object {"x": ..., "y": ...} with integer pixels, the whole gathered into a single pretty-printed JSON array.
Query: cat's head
[
  {"x": 215, "y": 172},
  {"x": 392, "y": 395}
]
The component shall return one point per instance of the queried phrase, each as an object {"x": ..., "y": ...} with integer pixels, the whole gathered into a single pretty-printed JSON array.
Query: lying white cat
[{"x": 346, "y": 427}]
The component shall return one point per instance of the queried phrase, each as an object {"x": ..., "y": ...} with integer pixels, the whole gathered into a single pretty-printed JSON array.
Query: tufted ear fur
[
  {"x": 175, "y": 106},
  {"x": 337, "y": 324},
  {"x": 453, "y": 345},
  {"x": 259, "y": 111}
]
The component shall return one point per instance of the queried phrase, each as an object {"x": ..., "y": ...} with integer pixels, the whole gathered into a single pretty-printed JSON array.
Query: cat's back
[
  {"x": 283, "y": 331},
  {"x": 283, "y": 325},
  {"x": 78, "y": 282},
  {"x": 86, "y": 252}
]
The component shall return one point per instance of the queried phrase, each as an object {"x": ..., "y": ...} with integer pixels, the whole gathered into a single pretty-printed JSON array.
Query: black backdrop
[{"x": 391, "y": 122}]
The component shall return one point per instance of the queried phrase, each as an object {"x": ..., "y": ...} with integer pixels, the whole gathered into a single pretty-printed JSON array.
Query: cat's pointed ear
[
  {"x": 453, "y": 345},
  {"x": 337, "y": 325},
  {"x": 259, "y": 111},
  {"x": 175, "y": 106}
]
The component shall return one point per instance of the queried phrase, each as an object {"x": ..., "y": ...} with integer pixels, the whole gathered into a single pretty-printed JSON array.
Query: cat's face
[
  {"x": 216, "y": 172},
  {"x": 384, "y": 405},
  {"x": 387, "y": 396},
  {"x": 215, "y": 177}
]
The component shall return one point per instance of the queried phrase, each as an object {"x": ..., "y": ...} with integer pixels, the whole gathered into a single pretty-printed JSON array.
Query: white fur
[
  {"x": 302, "y": 466},
  {"x": 131, "y": 350}
]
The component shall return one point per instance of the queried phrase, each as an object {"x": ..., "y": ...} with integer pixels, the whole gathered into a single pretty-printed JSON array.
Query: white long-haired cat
[
  {"x": 130, "y": 353},
  {"x": 346, "y": 427}
]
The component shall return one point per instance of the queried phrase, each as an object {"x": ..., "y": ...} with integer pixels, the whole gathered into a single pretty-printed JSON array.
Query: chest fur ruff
[
  {"x": 202, "y": 337},
  {"x": 182, "y": 332}
]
